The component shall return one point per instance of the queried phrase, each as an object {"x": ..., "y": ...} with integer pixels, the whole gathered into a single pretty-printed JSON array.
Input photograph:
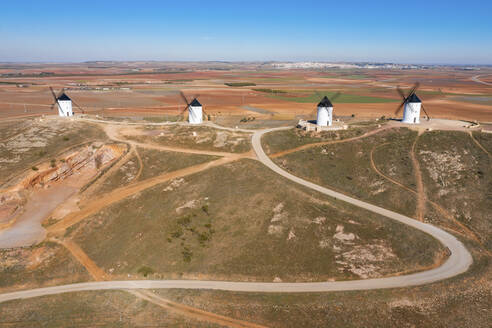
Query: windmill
[
  {"x": 195, "y": 110},
  {"x": 324, "y": 115},
  {"x": 412, "y": 105},
  {"x": 64, "y": 103}
]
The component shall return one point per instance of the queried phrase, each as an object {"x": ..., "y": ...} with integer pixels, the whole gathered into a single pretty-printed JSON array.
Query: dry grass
[
  {"x": 33, "y": 141},
  {"x": 346, "y": 167},
  {"x": 157, "y": 162},
  {"x": 43, "y": 265},
  {"x": 196, "y": 137},
  {"x": 458, "y": 176},
  {"x": 287, "y": 139},
  {"x": 91, "y": 309},
  {"x": 226, "y": 223}
]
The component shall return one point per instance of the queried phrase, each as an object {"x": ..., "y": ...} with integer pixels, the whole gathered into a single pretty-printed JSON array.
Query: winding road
[{"x": 458, "y": 262}]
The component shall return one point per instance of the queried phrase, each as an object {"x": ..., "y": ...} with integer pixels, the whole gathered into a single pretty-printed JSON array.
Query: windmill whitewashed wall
[
  {"x": 195, "y": 112},
  {"x": 411, "y": 111},
  {"x": 64, "y": 106},
  {"x": 325, "y": 113}
]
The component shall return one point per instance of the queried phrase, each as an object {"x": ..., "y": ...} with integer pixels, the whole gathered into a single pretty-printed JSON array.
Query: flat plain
[{"x": 138, "y": 194}]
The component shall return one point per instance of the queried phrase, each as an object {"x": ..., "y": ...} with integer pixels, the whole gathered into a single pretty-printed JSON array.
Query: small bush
[
  {"x": 187, "y": 255},
  {"x": 65, "y": 138},
  {"x": 184, "y": 221},
  {"x": 34, "y": 168},
  {"x": 205, "y": 208},
  {"x": 178, "y": 233},
  {"x": 203, "y": 237},
  {"x": 145, "y": 270}
]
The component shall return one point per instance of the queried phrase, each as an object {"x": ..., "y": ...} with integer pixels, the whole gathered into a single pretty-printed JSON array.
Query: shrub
[
  {"x": 34, "y": 168},
  {"x": 187, "y": 255},
  {"x": 145, "y": 270},
  {"x": 184, "y": 221},
  {"x": 240, "y": 84},
  {"x": 269, "y": 90},
  {"x": 178, "y": 233}
]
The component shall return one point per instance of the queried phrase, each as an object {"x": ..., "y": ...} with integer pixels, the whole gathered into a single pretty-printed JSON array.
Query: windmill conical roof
[
  {"x": 325, "y": 102},
  {"x": 195, "y": 103},
  {"x": 413, "y": 99},
  {"x": 63, "y": 97}
]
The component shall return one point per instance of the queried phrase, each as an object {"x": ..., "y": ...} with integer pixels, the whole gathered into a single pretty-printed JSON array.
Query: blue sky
[{"x": 447, "y": 32}]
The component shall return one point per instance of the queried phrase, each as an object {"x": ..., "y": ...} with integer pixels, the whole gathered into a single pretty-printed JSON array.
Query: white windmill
[
  {"x": 325, "y": 112},
  {"x": 324, "y": 115},
  {"x": 64, "y": 103},
  {"x": 411, "y": 106},
  {"x": 195, "y": 110}
]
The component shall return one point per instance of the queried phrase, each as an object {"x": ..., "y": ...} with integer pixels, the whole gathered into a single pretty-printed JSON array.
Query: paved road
[
  {"x": 457, "y": 263},
  {"x": 476, "y": 79}
]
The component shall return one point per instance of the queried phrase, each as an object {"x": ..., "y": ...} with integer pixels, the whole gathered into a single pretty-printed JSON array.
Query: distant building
[
  {"x": 64, "y": 105},
  {"x": 411, "y": 111},
  {"x": 195, "y": 112},
  {"x": 325, "y": 112}
]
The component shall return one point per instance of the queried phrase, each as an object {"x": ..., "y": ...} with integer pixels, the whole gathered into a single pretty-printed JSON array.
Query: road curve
[
  {"x": 458, "y": 262},
  {"x": 476, "y": 79}
]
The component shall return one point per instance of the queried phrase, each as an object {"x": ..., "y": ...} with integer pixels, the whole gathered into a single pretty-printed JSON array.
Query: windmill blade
[
  {"x": 423, "y": 108},
  {"x": 60, "y": 93},
  {"x": 55, "y": 99},
  {"x": 400, "y": 107},
  {"x": 335, "y": 96},
  {"x": 81, "y": 109},
  {"x": 415, "y": 87},
  {"x": 53, "y": 93},
  {"x": 400, "y": 91},
  {"x": 184, "y": 98}
]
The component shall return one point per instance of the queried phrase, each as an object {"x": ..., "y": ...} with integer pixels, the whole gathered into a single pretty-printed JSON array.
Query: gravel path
[{"x": 458, "y": 262}]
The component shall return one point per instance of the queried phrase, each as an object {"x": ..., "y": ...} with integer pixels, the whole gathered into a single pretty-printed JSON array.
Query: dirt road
[
  {"x": 458, "y": 262},
  {"x": 476, "y": 79},
  {"x": 123, "y": 192},
  {"x": 322, "y": 143}
]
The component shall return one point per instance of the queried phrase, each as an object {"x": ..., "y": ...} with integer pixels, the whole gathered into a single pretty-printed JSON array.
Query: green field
[
  {"x": 344, "y": 98},
  {"x": 240, "y": 84}
]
